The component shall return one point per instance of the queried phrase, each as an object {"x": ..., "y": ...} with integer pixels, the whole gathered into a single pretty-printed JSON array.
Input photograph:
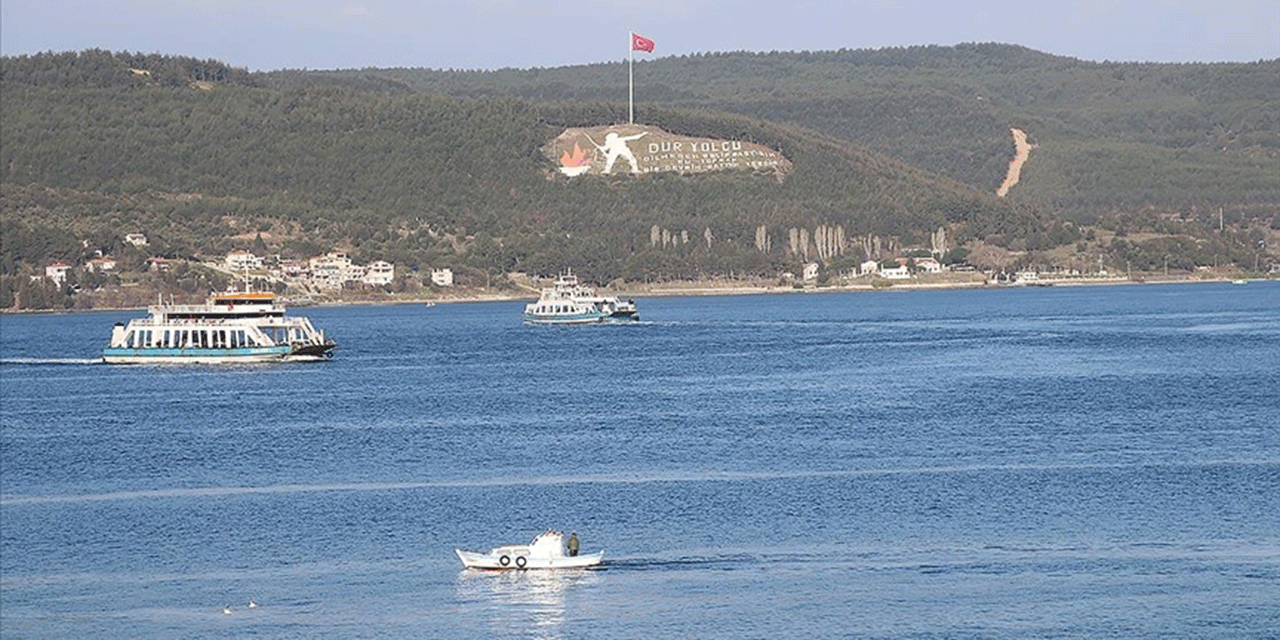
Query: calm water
[{"x": 1031, "y": 463}]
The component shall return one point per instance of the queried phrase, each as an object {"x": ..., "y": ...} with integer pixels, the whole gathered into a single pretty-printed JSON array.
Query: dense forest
[
  {"x": 1142, "y": 165},
  {"x": 1133, "y": 135}
]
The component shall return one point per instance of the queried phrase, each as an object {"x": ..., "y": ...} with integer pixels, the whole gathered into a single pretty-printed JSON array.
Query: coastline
[{"x": 722, "y": 288}]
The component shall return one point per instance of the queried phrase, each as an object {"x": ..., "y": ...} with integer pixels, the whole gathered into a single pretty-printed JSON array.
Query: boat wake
[
  {"x": 17, "y": 362},
  {"x": 726, "y": 562}
]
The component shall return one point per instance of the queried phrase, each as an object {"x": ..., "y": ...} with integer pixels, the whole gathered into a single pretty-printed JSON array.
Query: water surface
[{"x": 1097, "y": 462}]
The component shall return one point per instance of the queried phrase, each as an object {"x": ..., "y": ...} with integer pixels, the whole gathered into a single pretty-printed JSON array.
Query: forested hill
[
  {"x": 97, "y": 146},
  {"x": 1113, "y": 138},
  {"x": 432, "y": 168}
]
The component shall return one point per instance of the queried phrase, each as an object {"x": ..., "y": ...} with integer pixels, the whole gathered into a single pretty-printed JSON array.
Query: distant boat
[
  {"x": 569, "y": 302},
  {"x": 1238, "y": 281},
  {"x": 231, "y": 327}
]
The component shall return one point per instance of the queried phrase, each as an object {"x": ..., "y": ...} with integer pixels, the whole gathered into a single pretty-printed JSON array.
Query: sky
[{"x": 263, "y": 35}]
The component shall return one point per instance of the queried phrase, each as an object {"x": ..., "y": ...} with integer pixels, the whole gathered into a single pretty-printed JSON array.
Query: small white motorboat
[{"x": 546, "y": 551}]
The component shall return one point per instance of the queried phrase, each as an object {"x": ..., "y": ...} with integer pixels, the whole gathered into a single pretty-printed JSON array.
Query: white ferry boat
[
  {"x": 547, "y": 551},
  {"x": 231, "y": 327},
  {"x": 569, "y": 302}
]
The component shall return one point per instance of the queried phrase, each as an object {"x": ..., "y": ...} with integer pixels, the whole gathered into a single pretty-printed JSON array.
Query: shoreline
[{"x": 704, "y": 289}]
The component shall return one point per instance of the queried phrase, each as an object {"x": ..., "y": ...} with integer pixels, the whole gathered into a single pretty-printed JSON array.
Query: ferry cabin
[
  {"x": 565, "y": 311},
  {"x": 562, "y": 311},
  {"x": 196, "y": 344},
  {"x": 171, "y": 337}
]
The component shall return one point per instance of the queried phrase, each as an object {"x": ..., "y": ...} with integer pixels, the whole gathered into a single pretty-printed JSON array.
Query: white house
[
  {"x": 811, "y": 271},
  {"x": 101, "y": 264},
  {"x": 442, "y": 277},
  {"x": 293, "y": 268},
  {"x": 900, "y": 272},
  {"x": 136, "y": 239},
  {"x": 57, "y": 271},
  {"x": 928, "y": 265},
  {"x": 330, "y": 270},
  {"x": 243, "y": 261},
  {"x": 869, "y": 267},
  {"x": 332, "y": 261},
  {"x": 380, "y": 272}
]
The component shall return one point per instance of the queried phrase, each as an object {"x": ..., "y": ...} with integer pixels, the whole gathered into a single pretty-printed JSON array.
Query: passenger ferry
[
  {"x": 231, "y": 327},
  {"x": 571, "y": 303}
]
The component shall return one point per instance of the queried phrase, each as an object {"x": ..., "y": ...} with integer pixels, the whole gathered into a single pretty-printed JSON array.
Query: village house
[
  {"x": 294, "y": 268},
  {"x": 811, "y": 271},
  {"x": 136, "y": 239},
  {"x": 380, "y": 273},
  {"x": 869, "y": 267},
  {"x": 157, "y": 264},
  {"x": 98, "y": 265},
  {"x": 329, "y": 271},
  {"x": 57, "y": 272},
  {"x": 442, "y": 277},
  {"x": 335, "y": 269},
  {"x": 928, "y": 265},
  {"x": 243, "y": 261},
  {"x": 900, "y": 272}
]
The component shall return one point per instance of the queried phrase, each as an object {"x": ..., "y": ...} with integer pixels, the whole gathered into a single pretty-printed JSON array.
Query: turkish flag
[{"x": 641, "y": 43}]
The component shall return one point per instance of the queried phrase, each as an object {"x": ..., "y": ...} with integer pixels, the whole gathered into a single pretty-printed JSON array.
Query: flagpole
[{"x": 631, "y": 79}]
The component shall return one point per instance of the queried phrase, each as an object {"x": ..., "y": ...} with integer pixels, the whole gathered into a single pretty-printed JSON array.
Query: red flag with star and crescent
[{"x": 641, "y": 43}]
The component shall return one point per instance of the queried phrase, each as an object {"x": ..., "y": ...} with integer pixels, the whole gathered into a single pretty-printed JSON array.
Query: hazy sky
[{"x": 491, "y": 34}]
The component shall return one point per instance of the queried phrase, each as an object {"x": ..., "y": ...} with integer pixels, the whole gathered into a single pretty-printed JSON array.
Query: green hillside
[
  {"x": 1117, "y": 137},
  {"x": 433, "y": 168}
]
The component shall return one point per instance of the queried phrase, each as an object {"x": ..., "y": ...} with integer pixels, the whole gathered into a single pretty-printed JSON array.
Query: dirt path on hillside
[{"x": 1022, "y": 151}]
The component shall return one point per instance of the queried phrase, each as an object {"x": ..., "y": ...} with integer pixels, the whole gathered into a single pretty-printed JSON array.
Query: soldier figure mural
[{"x": 650, "y": 149}]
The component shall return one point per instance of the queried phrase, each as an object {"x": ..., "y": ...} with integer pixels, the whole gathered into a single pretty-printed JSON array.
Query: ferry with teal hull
[
  {"x": 233, "y": 327},
  {"x": 569, "y": 302}
]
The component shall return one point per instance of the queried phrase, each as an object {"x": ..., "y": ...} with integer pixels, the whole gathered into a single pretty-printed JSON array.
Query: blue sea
[{"x": 1063, "y": 462}]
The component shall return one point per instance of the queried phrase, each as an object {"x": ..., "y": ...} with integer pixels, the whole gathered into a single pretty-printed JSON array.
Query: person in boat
[{"x": 573, "y": 544}]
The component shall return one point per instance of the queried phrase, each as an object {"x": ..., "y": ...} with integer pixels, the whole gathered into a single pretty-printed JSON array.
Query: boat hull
[
  {"x": 516, "y": 561},
  {"x": 312, "y": 352},
  {"x": 119, "y": 355},
  {"x": 593, "y": 318}
]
